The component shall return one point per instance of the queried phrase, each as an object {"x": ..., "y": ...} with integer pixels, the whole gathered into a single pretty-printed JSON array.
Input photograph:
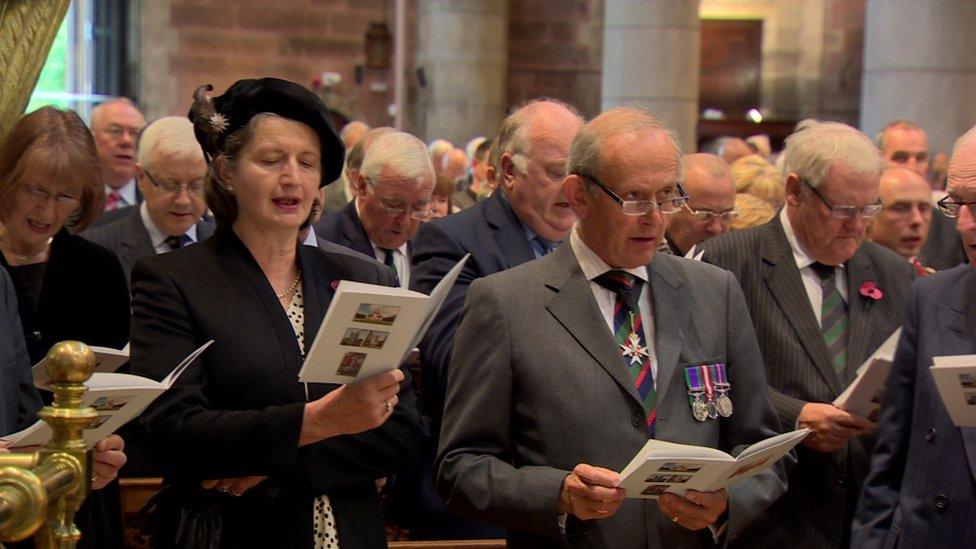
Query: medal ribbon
[
  {"x": 709, "y": 383},
  {"x": 693, "y": 381}
]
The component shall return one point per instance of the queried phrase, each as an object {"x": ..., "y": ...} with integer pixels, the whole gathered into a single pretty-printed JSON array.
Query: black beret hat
[{"x": 214, "y": 119}]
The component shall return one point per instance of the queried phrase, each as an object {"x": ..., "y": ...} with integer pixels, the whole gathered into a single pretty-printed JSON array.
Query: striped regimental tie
[
  {"x": 833, "y": 316},
  {"x": 629, "y": 333}
]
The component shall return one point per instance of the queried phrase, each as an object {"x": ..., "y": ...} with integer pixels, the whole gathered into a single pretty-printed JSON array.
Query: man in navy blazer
[
  {"x": 392, "y": 198},
  {"x": 921, "y": 490},
  {"x": 526, "y": 218}
]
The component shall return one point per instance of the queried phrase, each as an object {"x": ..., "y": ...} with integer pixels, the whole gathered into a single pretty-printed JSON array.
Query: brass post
[{"x": 49, "y": 495}]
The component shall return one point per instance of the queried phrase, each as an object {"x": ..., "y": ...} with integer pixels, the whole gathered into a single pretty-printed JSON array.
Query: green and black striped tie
[{"x": 833, "y": 316}]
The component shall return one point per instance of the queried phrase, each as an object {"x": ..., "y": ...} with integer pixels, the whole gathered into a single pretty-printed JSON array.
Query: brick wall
[
  {"x": 187, "y": 43},
  {"x": 555, "y": 49}
]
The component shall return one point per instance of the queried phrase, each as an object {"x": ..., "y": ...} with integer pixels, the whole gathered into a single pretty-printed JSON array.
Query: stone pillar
[
  {"x": 463, "y": 49},
  {"x": 651, "y": 58},
  {"x": 920, "y": 65}
]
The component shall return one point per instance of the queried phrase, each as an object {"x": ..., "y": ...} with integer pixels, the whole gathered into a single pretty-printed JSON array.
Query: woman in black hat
[{"x": 252, "y": 456}]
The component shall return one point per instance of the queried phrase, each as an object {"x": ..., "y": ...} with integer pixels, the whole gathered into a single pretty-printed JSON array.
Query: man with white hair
[
  {"x": 822, "y": 300},
  {"x": 341, "y": 192},
  {"x": 711, "y": 207},
  {"x": 116, "y": 125},
  {"x": 920, "y": 492},
  {"x": 170, "y": 171},
  {"x": 393, "y": 191}
]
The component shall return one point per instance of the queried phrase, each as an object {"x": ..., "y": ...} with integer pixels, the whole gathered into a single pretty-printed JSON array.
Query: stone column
[
  {"x": 920, "y": 65},
  {"x": 463, "y": 49},
  {"x": 651, "y": 58}
]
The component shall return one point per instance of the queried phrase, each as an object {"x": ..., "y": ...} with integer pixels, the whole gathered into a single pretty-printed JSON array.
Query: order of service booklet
[
  {"x": 117, "y": 398},
  {"x": 955, "y": 377},
  {"x": 370, "y": 329},
  {"x": 863, "y": 396},
  {"x": 107, "y": 360},
  {"x": 662, "y": 466}
]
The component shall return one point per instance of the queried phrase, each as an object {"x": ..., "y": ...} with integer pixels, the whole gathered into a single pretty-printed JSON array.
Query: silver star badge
[
  {"x": 632, "y": 349},
  {"x": 218, "y": 122}
]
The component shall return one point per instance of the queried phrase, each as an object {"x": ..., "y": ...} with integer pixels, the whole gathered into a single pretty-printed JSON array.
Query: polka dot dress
[{"x": 323, "y": 521}]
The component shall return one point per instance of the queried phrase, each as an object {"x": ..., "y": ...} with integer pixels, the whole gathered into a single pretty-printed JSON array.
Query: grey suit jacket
[
  {"x": 921, "y": 491},
  {"x": 537, "y": 385},
  {"x": 129, "y": 239},
  {"x": 819, "y": 506}
]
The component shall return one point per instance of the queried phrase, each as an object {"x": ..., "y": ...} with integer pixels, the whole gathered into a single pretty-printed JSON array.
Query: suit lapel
[
  {"x": 862, "y": 312},
  {"x": 783, "y": 280},
  {"x": 507, "y": 231},
  {"x": 354, "y": 232},
  {"x": 574, "y": 307},
  {"x": 134, "y": 241},
  {"x": 668, "y": 336}
]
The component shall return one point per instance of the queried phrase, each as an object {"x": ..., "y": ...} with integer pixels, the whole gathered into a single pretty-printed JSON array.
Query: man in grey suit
[
  {"x": 544, "y": 405},
  {"x": 922, "y": 487},
  {"x": 170, "y": 172},
  {"x": 822, "y": 300}
]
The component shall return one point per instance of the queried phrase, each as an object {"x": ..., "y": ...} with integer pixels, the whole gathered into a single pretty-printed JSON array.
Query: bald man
[
  {"x": 904, "y": 222},
  {"x": 711, "y": 208}
]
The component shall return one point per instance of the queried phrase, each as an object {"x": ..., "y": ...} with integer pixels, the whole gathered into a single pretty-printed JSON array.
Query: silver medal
[
  {"x": 723, "y": 405},
  {"x": 712, "y": 414},
  {"x": 699, "y": 409}
]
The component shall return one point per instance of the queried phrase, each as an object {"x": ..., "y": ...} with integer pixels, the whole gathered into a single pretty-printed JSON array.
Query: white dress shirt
[
  {"x": 593, "y": 266},
  {"x": 157, "y": 236},
  {"x": 811, "y": 281}
]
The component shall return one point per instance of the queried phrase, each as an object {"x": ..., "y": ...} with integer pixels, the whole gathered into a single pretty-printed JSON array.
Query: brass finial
[{"x": 69, "y": 362}]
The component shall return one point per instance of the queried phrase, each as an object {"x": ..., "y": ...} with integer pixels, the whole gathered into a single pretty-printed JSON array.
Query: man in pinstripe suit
[{"x": 822, "y": 299}]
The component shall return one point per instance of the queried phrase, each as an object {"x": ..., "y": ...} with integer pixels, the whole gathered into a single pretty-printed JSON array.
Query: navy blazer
[
  {"x": 19, "y": 400},
  {"x": 921, "y": 491},
  {"x": 238, "y": 411},
  {"x": 344, "y": 227},
  {"x": 493, "y": 235}
]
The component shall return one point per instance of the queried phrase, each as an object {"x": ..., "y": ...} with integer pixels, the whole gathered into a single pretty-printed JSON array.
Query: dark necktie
[
  {"x": 176, "y": 242},
  {"x": 833, "y": 316},
  {"x": 629, "y": 333},
  {"x": 388, "y": 261}
]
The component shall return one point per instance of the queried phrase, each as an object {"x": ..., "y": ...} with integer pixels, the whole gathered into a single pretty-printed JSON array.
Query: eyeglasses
[
  {"x": 906, "y": 208},
  {"x": 643, "y": 207},
  {"x": 902, "y": 157},
  {"x": 396, "y": 210},
  {"x": 40, "y": 196},
  {"x": 171, "y": 187},
  {"x": 846, "y": 211},
  {"x": 118, "y": 131},
  {"x": 708, "y": 215},
  {"x": 951, "y": 208}
]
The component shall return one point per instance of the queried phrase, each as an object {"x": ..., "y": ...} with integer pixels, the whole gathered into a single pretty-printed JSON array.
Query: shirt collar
[
  {"x": 592, "y": 264},
  {"x": 310, "y": 238},
  {"x": 802, "y": 258},
  {"x": 127, "y": 192},
  {"x": 157, "y": 236}
]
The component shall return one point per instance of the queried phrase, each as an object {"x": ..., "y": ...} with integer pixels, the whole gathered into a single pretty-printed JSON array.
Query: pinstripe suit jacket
[
  {"x": 818, "y": 508},
  {"x": 921, "y": 491}
]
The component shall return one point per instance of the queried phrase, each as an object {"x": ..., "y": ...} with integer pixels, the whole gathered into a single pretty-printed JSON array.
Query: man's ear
[
  {"x": 360, "y": 184},
  {"x": 141, "y": 179},
  {"x": 576, "y": 193},
  {"x": 507, "y": 164},
  {"x": 793, "y": 188}
]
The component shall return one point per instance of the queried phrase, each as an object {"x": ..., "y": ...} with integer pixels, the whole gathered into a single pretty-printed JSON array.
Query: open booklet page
[
  {"x": 370, "y": 329},
  {"x": 116, "y": 398},
  {"x": 107, "y": 360},
  {"x": 955, "y": 377},
  {"x": 863, "y": 396},
  {"x": 663, "y": 466}
]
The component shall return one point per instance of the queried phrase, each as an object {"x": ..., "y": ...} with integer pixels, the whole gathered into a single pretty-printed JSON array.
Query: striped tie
[
  {"x": 388, "y": 261},
  {"x": 629, "y": 333},
  {"x": 833, "y": 316}
]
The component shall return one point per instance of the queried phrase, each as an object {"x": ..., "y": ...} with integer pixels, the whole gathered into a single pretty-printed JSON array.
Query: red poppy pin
[
  {"x": 871, "y": 291},
  {"x": 334, "y": 284}
]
